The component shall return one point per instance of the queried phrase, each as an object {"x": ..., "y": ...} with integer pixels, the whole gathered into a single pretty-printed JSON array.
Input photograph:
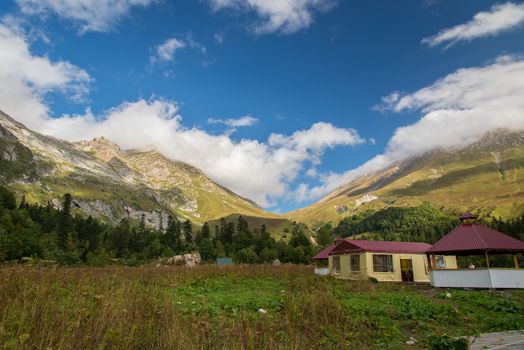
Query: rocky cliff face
[{"x": 109, "y": 182}]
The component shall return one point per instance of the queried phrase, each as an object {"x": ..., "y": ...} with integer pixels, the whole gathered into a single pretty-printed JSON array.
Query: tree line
[
  {"x": 45, "y": 232},
  {"x": 424, "y": 223},
  {"x": 416, "y": 224}
]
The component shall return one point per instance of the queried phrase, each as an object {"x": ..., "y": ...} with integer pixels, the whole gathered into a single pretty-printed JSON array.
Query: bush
[
  {"x": 445, "y": 342},
  {"x": 373, "y": 280}
]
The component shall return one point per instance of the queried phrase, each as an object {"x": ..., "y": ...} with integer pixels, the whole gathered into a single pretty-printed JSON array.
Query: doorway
[{"x": 406, "y": 268}]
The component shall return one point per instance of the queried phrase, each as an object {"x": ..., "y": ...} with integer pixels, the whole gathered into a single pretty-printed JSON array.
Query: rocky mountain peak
[
  {"x": 501, "y": 138},
  {"x": 102, "y": 148}
]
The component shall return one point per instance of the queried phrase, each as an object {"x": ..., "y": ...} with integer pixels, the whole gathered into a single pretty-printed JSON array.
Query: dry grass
[
  {"x": 124, "y": 308},
  {"x": 210, "y": 307}
]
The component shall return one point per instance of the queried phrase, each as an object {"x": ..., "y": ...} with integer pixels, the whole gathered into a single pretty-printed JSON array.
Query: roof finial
[{"x": 466, "y": 217}]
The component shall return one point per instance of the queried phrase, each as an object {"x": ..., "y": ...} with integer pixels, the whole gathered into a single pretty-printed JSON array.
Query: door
[{"x": 406, "y": 268}]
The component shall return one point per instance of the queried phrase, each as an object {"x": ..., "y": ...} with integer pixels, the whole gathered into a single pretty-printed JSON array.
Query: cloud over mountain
[
  {"x": 457, "y": 111},
  {"x": 500, "y": 18},
  {"x": 258, "y": 170}
]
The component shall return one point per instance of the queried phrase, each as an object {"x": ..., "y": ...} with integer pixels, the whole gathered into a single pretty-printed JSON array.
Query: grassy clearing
[{"x": 212, "y": 307}]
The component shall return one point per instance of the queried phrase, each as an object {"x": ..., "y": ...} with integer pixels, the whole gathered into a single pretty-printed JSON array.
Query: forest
[
  {"x": 29, "y": 230},
  {"x": 424, "y": 223},
  {"x": 45, "y": 232}
]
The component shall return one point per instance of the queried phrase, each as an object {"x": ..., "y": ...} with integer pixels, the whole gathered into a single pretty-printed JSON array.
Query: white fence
[{"x": 477, "y": 278}]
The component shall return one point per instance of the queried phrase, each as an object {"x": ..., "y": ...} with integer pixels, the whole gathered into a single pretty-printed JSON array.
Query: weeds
[{"x": 212, "y": 307}]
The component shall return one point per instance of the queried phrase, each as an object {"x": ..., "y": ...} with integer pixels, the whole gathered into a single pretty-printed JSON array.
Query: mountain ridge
[
  {"x": 486, "y": 176},
  {"x": 110, "y": 182}
]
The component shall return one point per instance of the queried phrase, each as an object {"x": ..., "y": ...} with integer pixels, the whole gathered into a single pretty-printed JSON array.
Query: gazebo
[{"x": 468, "y": 239}]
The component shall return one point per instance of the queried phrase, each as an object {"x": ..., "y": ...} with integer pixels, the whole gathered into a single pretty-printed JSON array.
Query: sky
[{"x": 280, "y": 101}]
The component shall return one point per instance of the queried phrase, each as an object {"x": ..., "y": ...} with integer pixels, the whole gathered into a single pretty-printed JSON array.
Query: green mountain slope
[
  {"x": 486, "y": 177},
  {"x": 279, "y": 228},
  {"x": 109, "y": 182}
]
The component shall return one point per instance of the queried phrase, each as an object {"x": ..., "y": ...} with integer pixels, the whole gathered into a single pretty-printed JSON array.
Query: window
[
  {"x": 382, "y": 263},
  {"x": 336, "y": 264},
  {"x": 441, "y": 263},
  {"x": 355, "y": 262}
]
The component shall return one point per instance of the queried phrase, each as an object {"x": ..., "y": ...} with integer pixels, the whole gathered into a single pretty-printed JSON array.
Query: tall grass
[
  {"x": 212, "y": 307},
  {"x": 125, "y": 308}
]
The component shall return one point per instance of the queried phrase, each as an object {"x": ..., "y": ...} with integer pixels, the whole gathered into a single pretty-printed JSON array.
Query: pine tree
[
  {"x": 222, "y": 230},
  {"x": 324, "y": 237},
  {"x": 188, "y": 232},
  {"x": 64, "y": 220},
  {"x": 23, "y": 204},
  {"x": 7, "y": 199},
  {"x": 229, "y": 233},
  {"x": 205, "y": 231},
  {"x": 172, "y": 236},
  {"x": 242, "y": 225},
  {"x": 142, "y": 224}
]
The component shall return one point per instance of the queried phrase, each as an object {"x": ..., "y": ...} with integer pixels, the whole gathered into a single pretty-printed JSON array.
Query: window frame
[
  {"x": 336, "y": 264},
  {"x": 352, "y": 265},
  {"x": 442, "y": 264},
  {"x": 385, "y": 268}
]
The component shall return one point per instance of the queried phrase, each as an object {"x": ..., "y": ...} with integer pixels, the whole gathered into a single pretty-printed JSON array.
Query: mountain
[
  {"x": 486, "y": 177},
  {"x": 279, "y": 227},
  {"x": 109, "y": 182}
]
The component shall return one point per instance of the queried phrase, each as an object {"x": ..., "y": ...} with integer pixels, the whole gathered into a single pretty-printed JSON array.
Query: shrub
[{"x": 446, "y": 342}]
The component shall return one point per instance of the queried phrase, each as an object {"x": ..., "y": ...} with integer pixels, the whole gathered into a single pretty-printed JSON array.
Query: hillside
[
  {"x": 279, "y": 228},
  {"x": 486, "y": 177},
  {"x": 109, "y": 182}
]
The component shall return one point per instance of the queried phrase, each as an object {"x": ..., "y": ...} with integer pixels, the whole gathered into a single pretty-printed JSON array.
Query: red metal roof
[
  {"x": 324, "y": 254},
  {"x": 356, "y": 246},
  {"x": 467, "y": 216},
  {"x": 471, "y": 238}
]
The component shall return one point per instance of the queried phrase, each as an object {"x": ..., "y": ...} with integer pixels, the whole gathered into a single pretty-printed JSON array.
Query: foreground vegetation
[{"x": 211, "y": 307}]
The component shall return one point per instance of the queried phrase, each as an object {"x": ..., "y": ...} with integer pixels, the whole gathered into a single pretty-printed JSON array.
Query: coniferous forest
[
  {"x": 60, "y": 235},
  {"x": 416, "y": 224},
  {"x": 44, "y": 232}
]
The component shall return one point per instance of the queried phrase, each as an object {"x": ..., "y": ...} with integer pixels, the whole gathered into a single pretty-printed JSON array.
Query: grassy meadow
[{"x": 211, "y": 307}]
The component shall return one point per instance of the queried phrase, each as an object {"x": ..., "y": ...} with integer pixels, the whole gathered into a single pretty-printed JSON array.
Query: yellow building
[{"x": 385, "y": 261}]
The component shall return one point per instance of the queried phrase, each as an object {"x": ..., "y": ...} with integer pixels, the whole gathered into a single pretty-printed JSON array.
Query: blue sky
[{"x": 328, "y": 62}]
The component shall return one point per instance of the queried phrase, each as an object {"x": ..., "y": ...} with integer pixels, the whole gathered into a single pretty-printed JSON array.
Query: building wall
[{"x": 419, "y": 263}]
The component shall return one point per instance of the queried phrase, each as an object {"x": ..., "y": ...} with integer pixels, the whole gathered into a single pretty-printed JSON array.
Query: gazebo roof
[
  {"x": 467, "y": 216},
  {"x": 469, "y": 239}
]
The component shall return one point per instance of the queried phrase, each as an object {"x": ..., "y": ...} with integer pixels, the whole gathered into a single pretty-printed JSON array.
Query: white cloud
[
  {"x": 235, "y": 123},
  {"x": 26, "y": 78},
  {"x": 285, "y": 16},
  {"x": 500, "y": 18},
  {"x": 258, "y": 170},
  {"x": 219, "y": 38},
  {"x": 458, "y": 110},
  {"x": 90, "y": 15},
  {"x": 261, "y": 171},
  {"x": 166, "y": 51},
  {"x": 318, "y": 138}
]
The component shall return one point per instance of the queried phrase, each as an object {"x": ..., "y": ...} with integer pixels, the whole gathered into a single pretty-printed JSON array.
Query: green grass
[
  {"x": 229, "y": 296},
  {"x": 212, "y": 307}
]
